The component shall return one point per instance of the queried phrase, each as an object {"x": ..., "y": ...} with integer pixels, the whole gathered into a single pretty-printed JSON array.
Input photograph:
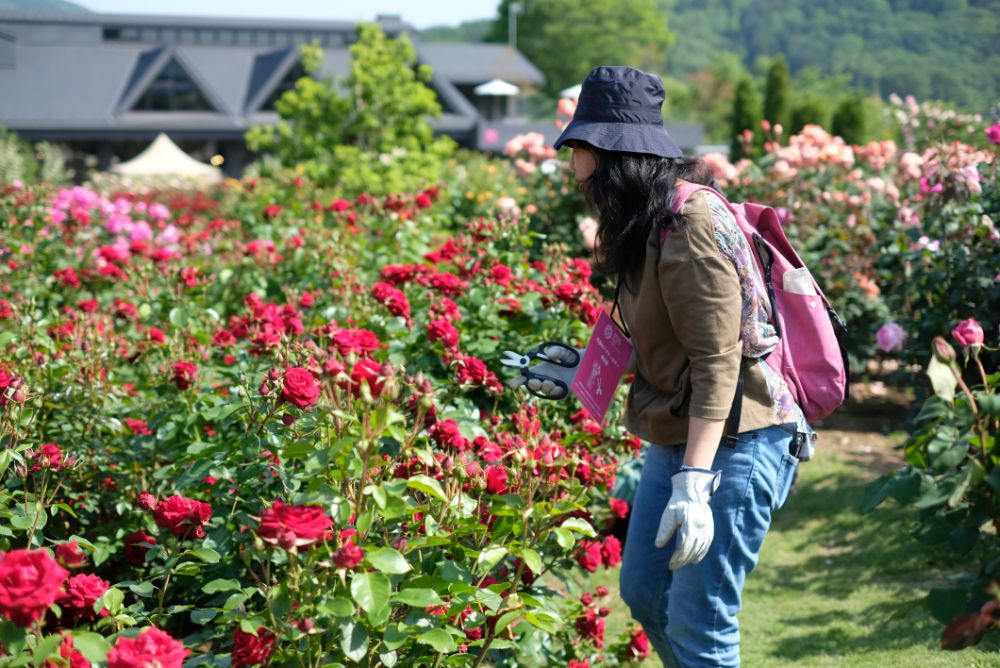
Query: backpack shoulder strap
[{"x": 682, "y": 193}]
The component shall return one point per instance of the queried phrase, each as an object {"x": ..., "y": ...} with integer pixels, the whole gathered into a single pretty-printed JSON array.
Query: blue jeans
[{"x": 690, "y": 614}]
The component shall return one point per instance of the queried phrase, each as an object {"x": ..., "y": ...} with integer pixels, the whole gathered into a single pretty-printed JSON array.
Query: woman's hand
[{"x": 689, "y": 515}]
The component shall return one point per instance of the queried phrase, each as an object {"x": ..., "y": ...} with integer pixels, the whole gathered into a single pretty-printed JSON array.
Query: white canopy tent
[
  {"x": 497, "y": 87},
  {"x": 494, "y": 106},
  {"x": 164, "y": 158}
]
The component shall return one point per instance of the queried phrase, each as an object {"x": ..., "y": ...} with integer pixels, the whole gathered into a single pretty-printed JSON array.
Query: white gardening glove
[
  {"x": 544, "y": 374},
  {"x": 689, "y": 514}
]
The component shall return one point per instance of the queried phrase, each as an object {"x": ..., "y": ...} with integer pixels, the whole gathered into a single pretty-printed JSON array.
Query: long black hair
[{"x": 630, "y": 193}]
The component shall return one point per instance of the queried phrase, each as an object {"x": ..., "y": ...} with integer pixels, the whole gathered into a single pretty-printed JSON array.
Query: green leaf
[
  {"x": 6, "y": 457},
  {"x": 904, "y": 486},
  {"x": 946, "y": 603},
  {"x": 943, "y": 379},
  {"x": 489, "y": 557},
  {"x": 93, "y": 646},
  {"x": 63, "y": 507},
  {"x": 963, "y": 538},
  {"x": 219, "y": 584},
  {"x": 964, "y": 480},
  {"x": 427, "y": 485},
  {"x": 205, "y": 554},
  {"x": 564, "y": 538},
  {"x": 178, "y": 317},
  {"x": 370, "y": 590},
  {"x": 418, "y": 598},
  {"x": 532, "y": 560},
  {"x": 338, "y": 607},
  {"x": 251, "y": 624},
  {"x": 12, "y": 637},
  {"x": 988, "y": 403},
  {"x": 46, "y": 648},
  {"x": 439, "y": 639},
  {"x": 543, "y": 619},
  {"x": 353, "y": 640},
  {"x": 388, "y": 560},
  {"x": 111, "y": 600},
  {"x": 506, "y": 619},
  {"x": 143, "y": 589},
  {"x": 202, "y": 616},
  {"x": 388, "y": 659},
  {"x": 579, "y": 525}
]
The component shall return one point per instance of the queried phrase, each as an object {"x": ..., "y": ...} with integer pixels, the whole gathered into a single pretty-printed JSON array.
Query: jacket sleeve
[{"x": 701, "y": 292}]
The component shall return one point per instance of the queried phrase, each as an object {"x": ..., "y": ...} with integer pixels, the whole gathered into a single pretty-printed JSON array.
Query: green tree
[
  {"x": 849, "y": 119},
  {"x": 745, "y": 116},
  {"x": 565, "y": 39},
  {"x": 777, "y": 93},
  {"x": 380, "y": 126},
  {"x": 808, "y": 110}
]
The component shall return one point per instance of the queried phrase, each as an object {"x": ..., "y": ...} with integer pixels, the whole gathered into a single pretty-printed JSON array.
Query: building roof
[
  {"x": 473, "y": 64},
  {"x": 86, "y": 72}
]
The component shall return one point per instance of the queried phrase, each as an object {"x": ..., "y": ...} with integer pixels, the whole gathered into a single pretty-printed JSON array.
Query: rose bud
[
  {"x": 288, "y": 419},
  {"x": 264, "y": 389},
  {"x": 274, "y": 374},
  {"x": 943, "y": 350}
]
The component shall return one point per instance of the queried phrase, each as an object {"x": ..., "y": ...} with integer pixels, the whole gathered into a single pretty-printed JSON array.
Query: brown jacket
[{"x": 684, "y": 319}]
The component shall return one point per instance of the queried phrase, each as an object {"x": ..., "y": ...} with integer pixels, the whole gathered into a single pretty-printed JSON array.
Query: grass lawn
[{"x": 829, "y": 579}]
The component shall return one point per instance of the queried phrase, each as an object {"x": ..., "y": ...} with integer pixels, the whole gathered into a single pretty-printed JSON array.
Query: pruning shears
[{"x": 551, "y": 377}]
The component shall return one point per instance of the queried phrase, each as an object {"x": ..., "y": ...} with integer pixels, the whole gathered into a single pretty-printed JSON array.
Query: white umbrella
[{"x": 497, "y": 87}]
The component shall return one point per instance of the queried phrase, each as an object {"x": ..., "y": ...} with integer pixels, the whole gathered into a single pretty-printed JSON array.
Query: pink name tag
[{"x": 602, "y": 367}]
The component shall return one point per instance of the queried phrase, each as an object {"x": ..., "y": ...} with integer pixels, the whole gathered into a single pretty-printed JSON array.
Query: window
[
  {"x": 112, "y": 34},
  {"x": 173, "y": 89},
  {"x": 286, "y": 84}
]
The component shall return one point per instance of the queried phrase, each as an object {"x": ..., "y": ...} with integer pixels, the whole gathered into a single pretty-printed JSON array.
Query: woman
[{"x": 695, "y": 309}]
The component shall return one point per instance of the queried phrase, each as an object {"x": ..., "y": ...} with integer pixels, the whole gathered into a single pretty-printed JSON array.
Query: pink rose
[
  {"x": 890, "y": 338},
  {"x": 968, "y": 333},
  {"x": 152, "y": 647},
  {"x": 30, "y": 581}
]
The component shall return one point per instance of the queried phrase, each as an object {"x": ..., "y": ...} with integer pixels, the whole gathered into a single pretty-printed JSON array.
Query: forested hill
[
  {"x": 932, "y": 49},
  {"x": 944, "y": 49}
]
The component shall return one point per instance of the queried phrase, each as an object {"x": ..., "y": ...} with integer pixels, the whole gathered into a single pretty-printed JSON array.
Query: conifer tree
[
  {"x": 849, "y": 119},
  {"x": 745, "y": 116},
  {"x": 777, "y": 92}
]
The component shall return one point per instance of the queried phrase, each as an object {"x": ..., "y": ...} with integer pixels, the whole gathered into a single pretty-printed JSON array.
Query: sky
[{"x": 418, "y": 13}]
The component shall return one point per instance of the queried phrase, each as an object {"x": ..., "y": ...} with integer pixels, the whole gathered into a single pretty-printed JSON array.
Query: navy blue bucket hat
[{"x": 619, "y": 110}]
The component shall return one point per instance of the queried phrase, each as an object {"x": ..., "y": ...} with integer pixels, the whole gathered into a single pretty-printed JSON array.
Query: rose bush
[{"x": 271, "y": 427}]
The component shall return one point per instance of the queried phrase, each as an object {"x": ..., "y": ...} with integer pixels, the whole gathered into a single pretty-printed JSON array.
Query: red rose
[
  {"x": 968, "y": 333},
  {"x": 442, "y": 330},
  {"x": 71, "y": 656},
  {"x": 182, "y": 516},
  {"x": 152, "y": 647},
  {"x": 638, "y": 647},
  {"x": 272, "y": 210},
  {"x": 250, "y": 649},
  {"x": 589, "y": 625},
  {"x": 49, "y": 456},
  {"x": 146, "y": 501},
  {"x": 619, "y": 508},
  {"x": 30, "y": 581},
  {"x": 611, "y": 551},
  {"x": 77, "y": 604},
  {"x": 294, "y": 526},
  {"x": 496, "y": 480},
  {"x": 348, "y": 556},
  {"x": 184, "y": 374},
  {"x": 299, "y": 387},
  {"x": 368, "y": 372},
  {"x": 135, "y": 551},
  {"x": 590, "y": 555},
  {"x": 69, "y": 555}
]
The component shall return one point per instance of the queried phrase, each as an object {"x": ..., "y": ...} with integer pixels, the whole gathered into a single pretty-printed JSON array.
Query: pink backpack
[{"x": 811, "y": 355}]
